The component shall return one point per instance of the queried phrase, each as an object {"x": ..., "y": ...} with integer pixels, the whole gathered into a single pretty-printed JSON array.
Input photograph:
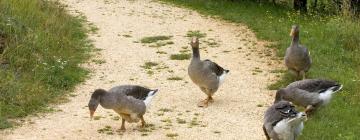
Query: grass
[
  {"x": 149, "y": 65},
  {"x": 165, "y": 110},
  {"x": 176, "y": 78},
  {"x": 98, "y": 61},
  {"x": 153, "y": 39},
  {"x": 160, "y": 44},
  {"x": 334, "y": 45},
  {"x": 196, "y": 33},
  {"x": 40, "y": 52},
  {"x": 172, "y": 135},
  {"x": 181, "y": 56},
  {"x": 180, "y": 121}
]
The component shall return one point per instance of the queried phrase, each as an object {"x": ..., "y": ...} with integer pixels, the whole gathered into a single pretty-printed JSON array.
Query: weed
[
  {"x": 149, "y": 65},
  {"x": 153, "y": 39},
  {"x": 174, "y": 78},
  {"x": 181, "y": 56},
  {"x": 172, "y": 135},
  {"x": 165, "y": 110},
  {"x": 196, "y": 33},
  {"x": 44, "y": 47},
  {"x": 98, "y": 61}
]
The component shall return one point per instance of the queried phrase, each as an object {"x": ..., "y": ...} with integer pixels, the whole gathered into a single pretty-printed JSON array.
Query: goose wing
[
  {"x": 213, "y": 67},
  {"x": 138, "y": 92},
  {"x": 314, "y": 85},
  {"x": 135, "y": 91}
]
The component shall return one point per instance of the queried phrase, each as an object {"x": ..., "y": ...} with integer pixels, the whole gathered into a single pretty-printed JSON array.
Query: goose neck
[{"x": 196, "y": 53}]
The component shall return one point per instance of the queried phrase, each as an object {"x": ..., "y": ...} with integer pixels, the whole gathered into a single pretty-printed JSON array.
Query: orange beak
[{"x": 92, "y": 114}]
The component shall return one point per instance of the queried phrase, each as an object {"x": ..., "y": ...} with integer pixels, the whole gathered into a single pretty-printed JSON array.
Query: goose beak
[
  {"x": 292, "y": 32},
  {"x": 92, "y": 114}
]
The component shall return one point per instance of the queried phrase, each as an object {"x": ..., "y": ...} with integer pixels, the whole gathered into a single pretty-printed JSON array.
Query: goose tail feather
[{"x": 149, "y": 97}]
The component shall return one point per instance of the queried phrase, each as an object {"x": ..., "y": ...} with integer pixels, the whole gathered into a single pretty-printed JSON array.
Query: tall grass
[
  {"x": 334, "y": 44},
  {"x": 43, "y": 47}
]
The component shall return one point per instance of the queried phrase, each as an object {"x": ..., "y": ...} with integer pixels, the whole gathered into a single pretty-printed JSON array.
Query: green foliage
[
  {"x": 41, "y": 55},
  {"x": 334, "y": 44}
]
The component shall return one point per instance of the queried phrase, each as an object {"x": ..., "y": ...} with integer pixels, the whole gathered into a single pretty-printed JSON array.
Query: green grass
[
  {"x": 172, "y": 135},
  {"x": 153, "y": 39},
  {"x": 149, "y": 65},
  {"x": 334, "y": 44},
  {"x": 43, "y": 47},
  {"x": 196, "y": 33},
  {"x": 181, "y": 56},
  {"x": 176, "y": 78}
]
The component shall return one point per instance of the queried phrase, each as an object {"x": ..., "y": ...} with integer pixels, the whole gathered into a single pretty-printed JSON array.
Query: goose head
[
  {"x": 286, "y": 109},
  {"x": 294, "y": 30},
  {"x": 194, "y": 43},
  {"x": 95, "y": 100}
]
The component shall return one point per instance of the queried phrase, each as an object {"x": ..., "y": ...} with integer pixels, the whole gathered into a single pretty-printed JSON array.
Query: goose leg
[
  {"x": 211, "y": 100},
  {"x": 266, "y": 134},
  {"x": 302, "y": 73},
  {"x": 123, "y": 125},
  {"x": 203, "y": 103},
  {"x": 142, "y": 121}
]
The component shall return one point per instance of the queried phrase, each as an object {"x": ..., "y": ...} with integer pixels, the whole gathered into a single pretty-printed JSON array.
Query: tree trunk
[
  {"x": 300, "y": 5},
  {"x": 355, "y": 7}
]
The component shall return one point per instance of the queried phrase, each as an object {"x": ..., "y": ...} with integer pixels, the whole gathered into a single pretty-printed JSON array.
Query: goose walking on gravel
[
  {"x": 129, "y": 101},
  {"x": 283, "y": 122},
  {"x": 309, "y": 93},
  {"x": 297, "y": 57},
  {"x": 204, "y": 73}
]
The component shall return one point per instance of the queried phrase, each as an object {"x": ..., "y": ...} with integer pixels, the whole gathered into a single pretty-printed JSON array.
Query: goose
[
  {"x": 283, "y": 122},
  {"x": 309, "y": 93},
  {"x": 204, "y": 73},
  {"x": 297, "y": 57},
  {"x": 129, "y": 101}
]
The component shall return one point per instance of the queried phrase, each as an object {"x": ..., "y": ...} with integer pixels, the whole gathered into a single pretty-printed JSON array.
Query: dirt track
[{"x": 239, "y": 103}]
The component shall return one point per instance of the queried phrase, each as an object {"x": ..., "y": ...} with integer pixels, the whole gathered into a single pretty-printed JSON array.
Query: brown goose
[
  {"x": 129, "y": 101},
  {"x": 283, "y": 122},
  {"x": 297, "y": 57},
  {"x": 204, "y": 73},
  {"x": 309, "y": 93}
]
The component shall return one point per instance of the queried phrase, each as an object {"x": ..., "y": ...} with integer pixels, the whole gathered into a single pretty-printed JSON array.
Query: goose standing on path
[
  {"x": 129, "y": 101},
  {"x": 283, "y": 122},
  {"x": 206, "y": 74},
  {"x": 309, "y": 93},
  {"x": 297, "y": 57}
]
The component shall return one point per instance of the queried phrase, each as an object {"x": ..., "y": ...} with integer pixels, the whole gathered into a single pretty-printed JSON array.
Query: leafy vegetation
[
  {"x": 334, "y": 44},
  {"x": 41, "y": 49}
]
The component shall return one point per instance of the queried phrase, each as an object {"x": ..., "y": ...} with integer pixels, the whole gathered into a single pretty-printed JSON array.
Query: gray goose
[
  {"x": 297, "y": 57},
  {"x": 204, "y": 73},
  {"x": 309, "y": 93},
  {"x": 283, "y": 122},
  {"x": 129, "y": 101}
]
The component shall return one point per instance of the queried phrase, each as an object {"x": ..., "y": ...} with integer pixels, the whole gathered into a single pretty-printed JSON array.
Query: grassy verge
[
  {"x": 334, "y": 44},
  {"x": 41, "y": 47}
]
